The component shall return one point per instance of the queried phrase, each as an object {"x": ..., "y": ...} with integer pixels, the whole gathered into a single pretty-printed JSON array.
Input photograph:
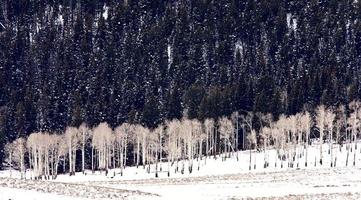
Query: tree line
[{"x": 185, "y": 142}]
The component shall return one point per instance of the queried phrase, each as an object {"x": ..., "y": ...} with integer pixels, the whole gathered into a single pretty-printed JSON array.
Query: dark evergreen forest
[{"x": 72, "y": 61}]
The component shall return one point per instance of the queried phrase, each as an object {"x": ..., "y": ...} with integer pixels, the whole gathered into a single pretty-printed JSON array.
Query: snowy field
[{"x": 215, "y": 179}]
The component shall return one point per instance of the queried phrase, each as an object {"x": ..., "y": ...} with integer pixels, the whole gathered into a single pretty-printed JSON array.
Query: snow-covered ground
[
  {"x": 12, "y": 193},
  {"x": 215, "y": 179}
]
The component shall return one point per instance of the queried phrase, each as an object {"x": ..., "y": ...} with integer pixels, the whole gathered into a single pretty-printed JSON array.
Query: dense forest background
[{"x": 72, "y": 61}]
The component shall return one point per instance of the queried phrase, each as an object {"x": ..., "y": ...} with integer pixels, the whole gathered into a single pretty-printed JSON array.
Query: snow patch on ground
[{"x": 215, "y": 179}]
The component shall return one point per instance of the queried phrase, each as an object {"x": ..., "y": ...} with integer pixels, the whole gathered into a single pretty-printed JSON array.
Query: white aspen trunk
[
  {"x": 156, "y": 160},
  {"x": 122, "y": 160},
  {"x": 337, "y": 144},
  {"x": 321, "y": 143},
  {"x": 210, "y": 150},
  {"x": 138, "y": 152},
  {"x": 199, "y": 153},
  {"x": 92, "y": 159},
  {"x": 113, "y": 156},
  {"x": 331, "y": 147},
  {"x": 190, "y": 153},
  {"x": 183, "y": 156},
  {"x": 143, "y": 151},
  {"x": 118, "y": 154},
  {"x": 255, "y": 155},
  {"x": 237, "y": 137},
  {"x": 307, "y": 136},
  {"x": 83, "y": 155},
  {"x": 30, "y": 164},
  {"x": 10, "y": 157},
  {"x": 70, "y": 159},
  {"x": 265, "y": 152},
  {"x": 348, "y": 151},
  {"x": 243, "y": 136},
  {"x": 74, "y": 161},
  {"x": 40, "y": 163},
  {"x": 207, "y": 144},
  {"x": 169, "y": 156},
  {"x": 56, "y": 166},
  {"x": 99, "y": 152},
  {"x": 107, "y": 156},
  {"x": 354, "y": 149},
  {"x": 52, "y": 164},
  {"x": 134, "y": 156},
  {"x": 64, "y": 162},
  {"x": 200, "y": 149},
  {"x": 125, "y": 152},
  {"x": 147, "y": 160},
  {"x": 47, "y": 164},
  {"x": 225, "y": 149},
  {"x": 160, "y": 152},
  {"x": 250, "y": 157},
  {"x": 22, "y": 168},
  {"x": 34, "y": 164}
]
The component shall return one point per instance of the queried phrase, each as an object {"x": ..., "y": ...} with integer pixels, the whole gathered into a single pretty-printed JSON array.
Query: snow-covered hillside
[{"x": 215, "y": 179}]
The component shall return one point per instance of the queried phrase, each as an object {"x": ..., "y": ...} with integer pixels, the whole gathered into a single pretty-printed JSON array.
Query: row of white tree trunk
[
  {"x": 183, "y": 142},
  {"x": 176, "y": 140}
]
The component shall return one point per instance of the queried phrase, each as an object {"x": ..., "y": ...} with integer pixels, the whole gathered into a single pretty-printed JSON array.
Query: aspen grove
[{"x": 188, "y": 142}]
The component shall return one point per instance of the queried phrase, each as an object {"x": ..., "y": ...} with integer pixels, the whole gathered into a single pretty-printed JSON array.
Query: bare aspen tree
[
  {"x": 286, "y": 126},
  {"x": 247, "y": 123},
  {"x": 354, "y": 122},
  {"x": 40, "y": 147},
  {"x": 121, "y": 140},
  {"x": 349, "y": 131},
  {"x": 199, "y": 137},
  {"x": 280, "y": 137},
  {"x": 307, "y": 122},
  {"x": 45, "y": 148},
  {"x": 55, "y": 151},
  {"x": 265, "y": 135},
  {"x": 293, "y": 138},
  {"x": 152, "y": 150},
  {"x": 329, "y": 118},
  {"x": 83, "y": 136},
  {"x": 102, "y": 141},
  {"x": 271, "y": 125},
  {"x": 72, "y": 142},
  {"x": 18, "y": 154},
  {"x": 226, "y": 130},
  {"x": 300, "y": 139},
  {"x": 186, "y": 134},
  {"x": 159, "y": 131},
  {"x": 274, "y": 139},
  {"x": 235, "y": 119},
  {"x": 320, "y": 124},
  {"x": 60, "y": 150},
  {"x": 210, "y": 146},
  {"x": 157, "y": 147},
  {"x": 252, "y": 140},
  {"x": 341, "y": 124},
  {"x": 31, "y": 146},
  {"x": 191, "y": 140},
  {"x": 137, "y": 139},
  {"x": 357, "y": 110},
  {"x": 144, "y": 132},
  {"x": 91, "y": 135},
  {"x": 35, "y": 154},
  {"x": 173, "y": 144}
]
